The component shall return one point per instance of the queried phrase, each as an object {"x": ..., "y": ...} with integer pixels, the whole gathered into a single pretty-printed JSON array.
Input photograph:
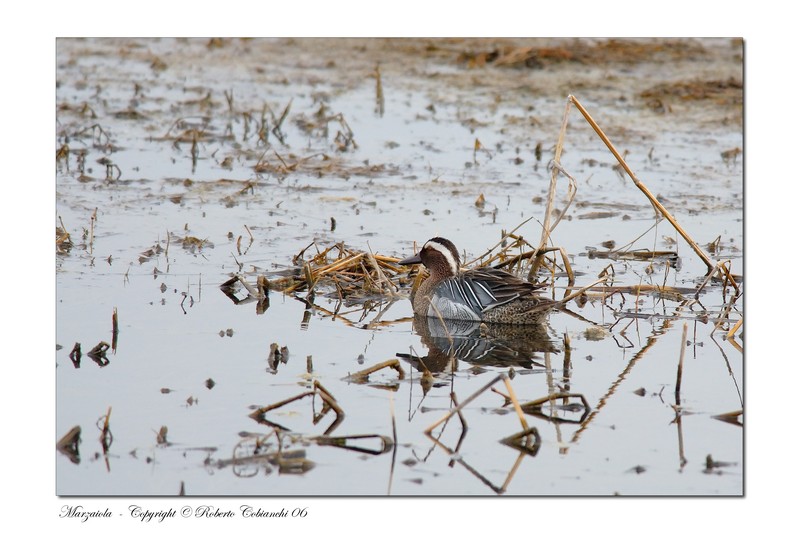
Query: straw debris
[
  {"x": 68, "y": 444},
  {"x": 337, "y": 270},
  {"x": 329, "y": 403},
  {"x": 363, "y": 375}
]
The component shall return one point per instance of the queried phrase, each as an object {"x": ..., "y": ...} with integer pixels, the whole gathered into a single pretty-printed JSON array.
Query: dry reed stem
[
  {"x": 682, "y": 358},
  {"x": 668, "y": 292},
  {"x": 434, "y": 307},
  {"x": 456, "y": 458},
  {"x": 310, "y": 280},
  {"x": 566, "y": 264},
  {"x": 454, "y": 399},
  {"x": 721, "y": 265},
  {"x": 735, "y": 328},
  {"x": 483, "y": 261},
  {"x": 331, "y": 402},
  {"x": 518, "y": 441},
  {"x": 535, "y": 405},
  {"x": 518, "y": 241},
  {"x": 515, "y": 402},
  {"x": 498, "y": 244},
  {"x": 633, "y": 255},
  {"x": 327, "y": 398},
  {"x": 536, "y": 408},
  {"x": 378, "y": 322},
  {"x": 570, "y": 194},
  {"x": 529, "y": 254},
  {"x": 458, "y": 409},
  {"x": 505, "y": 397},
  {"x": 723, "y": 315},
  {"x": 334, "y": 314},
  {"x": 106, "y": 420},
  {"x": 255, "y": 292},
  {"x": 363, "y": 375},
  {"x": 548, "y": 226},
  {"x": 379, "y": 97},
  {"x": 114, "y": 330},
  {"x": 339, "y": 265},
  {"x": 263, "y": 410},
  {"x": 384, "y": 281},
  {"x": 370, "y": 284},
  {"x": 106, "y": 437},
  {"x": 91, "y": 231},
  {"x": 298, "y": 256},
  {"x": 279, "y": 122},
  {"x": 568, "y": 297},
  {"x": 386, "y": 443},
  {"x": 545, "y": 230}
]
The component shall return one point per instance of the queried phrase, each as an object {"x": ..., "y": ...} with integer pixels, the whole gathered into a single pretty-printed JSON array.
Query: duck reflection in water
[{"x": 481, "y": 344}]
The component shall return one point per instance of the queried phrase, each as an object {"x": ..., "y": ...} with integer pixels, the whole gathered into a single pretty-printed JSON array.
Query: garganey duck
[{"x": 485, "y": 294}]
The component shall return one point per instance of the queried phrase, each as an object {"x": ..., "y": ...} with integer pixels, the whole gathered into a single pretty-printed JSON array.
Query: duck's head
[{"x": 439, "y": 256}]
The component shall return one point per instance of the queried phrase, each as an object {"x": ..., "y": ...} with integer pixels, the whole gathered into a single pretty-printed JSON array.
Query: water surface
[{"x": 171, "y": 185}]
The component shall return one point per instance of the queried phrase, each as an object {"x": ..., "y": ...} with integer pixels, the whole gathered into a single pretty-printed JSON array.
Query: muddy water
[{"x": 171, "y": 185}]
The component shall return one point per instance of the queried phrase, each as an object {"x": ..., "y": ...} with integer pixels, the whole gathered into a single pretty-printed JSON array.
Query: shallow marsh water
[{"x": 174, "y": 218}]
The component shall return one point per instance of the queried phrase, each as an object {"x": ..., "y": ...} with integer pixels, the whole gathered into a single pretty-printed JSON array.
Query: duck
[{"x": 488, "y": 295}]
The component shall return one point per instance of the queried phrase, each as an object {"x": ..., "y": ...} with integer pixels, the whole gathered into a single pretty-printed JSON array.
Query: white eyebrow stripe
[{"x": 443, "y": 250}]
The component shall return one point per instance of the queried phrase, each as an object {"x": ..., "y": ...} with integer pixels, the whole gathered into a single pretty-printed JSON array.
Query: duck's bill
[{"x": 413, "y": 260}]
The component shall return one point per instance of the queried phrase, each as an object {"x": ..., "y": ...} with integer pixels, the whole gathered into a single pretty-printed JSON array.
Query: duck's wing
[
  {"x": 498, "y": 287},
  {"x": 455, "y": 298},
  {"x": 482, "y": 289}
]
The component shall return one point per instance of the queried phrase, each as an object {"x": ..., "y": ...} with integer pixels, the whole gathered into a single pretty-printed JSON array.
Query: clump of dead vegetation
[
  {"x": 63, "y": 242},
  {"x": 346, "y": 274},
  {"x": 626, "y": 51},
  {"x": 721, "y": 92}
]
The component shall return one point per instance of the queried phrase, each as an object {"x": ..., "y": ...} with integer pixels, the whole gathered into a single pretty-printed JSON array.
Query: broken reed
[
  {"x": 328, "y": 401},
  {"x": 114, "y": 330}
]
